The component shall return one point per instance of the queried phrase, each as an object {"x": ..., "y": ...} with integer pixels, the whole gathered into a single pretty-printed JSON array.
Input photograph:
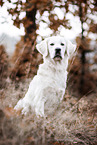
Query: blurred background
[{"x": 25, "y": 23}]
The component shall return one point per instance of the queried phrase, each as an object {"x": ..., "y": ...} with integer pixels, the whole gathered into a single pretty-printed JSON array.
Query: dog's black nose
[{"x": 58, "y": 50}]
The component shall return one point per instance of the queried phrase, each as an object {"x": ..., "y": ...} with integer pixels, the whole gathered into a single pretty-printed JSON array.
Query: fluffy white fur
[{"x": 47, "y": 88}]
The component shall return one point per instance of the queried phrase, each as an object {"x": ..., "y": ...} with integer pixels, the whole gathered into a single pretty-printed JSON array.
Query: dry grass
[{"x": 74, "y": 122}]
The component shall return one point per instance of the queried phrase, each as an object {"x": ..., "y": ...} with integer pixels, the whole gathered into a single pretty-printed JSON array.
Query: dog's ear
[
  {"x": 42, "y": 47},
  {"x": 70, "y": 48}
]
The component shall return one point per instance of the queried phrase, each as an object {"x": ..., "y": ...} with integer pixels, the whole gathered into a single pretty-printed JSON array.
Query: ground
[{"x": 74, "y": 122}]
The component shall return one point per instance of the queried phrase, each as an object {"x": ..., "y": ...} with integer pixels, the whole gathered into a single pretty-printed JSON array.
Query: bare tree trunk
[
  {"x": 83, "y": 59},
  {"x": 31, "y": 16},
  {"x": 31, "y": 29}
]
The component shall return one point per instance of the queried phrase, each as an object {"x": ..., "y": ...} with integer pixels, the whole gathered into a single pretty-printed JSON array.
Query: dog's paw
[
  {"x": 25, "y": 111},
  {"x": 19, "y": 105},
  {"x": 24, "y": 107},
  {"x": 39, "y": 112}
]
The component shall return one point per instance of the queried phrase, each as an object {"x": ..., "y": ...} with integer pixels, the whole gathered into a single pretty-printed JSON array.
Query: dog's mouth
[{"x": 57, "y": 57}]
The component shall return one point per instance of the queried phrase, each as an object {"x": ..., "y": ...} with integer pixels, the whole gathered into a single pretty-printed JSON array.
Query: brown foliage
[
  {"x": 93, "y": 28},
  {"x": 3, "y": 63},
  {"x": 1, "y": 2},
  {"x": 83, "y": 44},
  {"x": 25, "y": 61},
  {"x": 54, "y": 24}
]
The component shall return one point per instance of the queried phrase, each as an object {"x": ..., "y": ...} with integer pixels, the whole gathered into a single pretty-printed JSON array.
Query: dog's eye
[
  {"x": 52, "y": 44},
  {"x": 62, "y": 44}
]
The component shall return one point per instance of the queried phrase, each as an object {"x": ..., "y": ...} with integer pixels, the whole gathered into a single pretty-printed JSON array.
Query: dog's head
[{"x": 56, "y": 47}]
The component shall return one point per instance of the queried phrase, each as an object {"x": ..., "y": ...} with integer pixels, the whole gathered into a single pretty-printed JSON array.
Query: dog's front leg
[
  {"x": 39, "y": 108},
  {"x": 26, "y": 103},
  {"x": 61, "y": 92}
]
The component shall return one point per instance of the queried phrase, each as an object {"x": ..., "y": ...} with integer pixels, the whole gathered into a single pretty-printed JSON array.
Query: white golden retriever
[{"x": 47, "y": 88}]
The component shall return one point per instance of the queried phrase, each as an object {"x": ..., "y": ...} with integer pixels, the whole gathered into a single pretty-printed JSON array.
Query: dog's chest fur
[
  {"x": 53, "y": 84},
  {"x": 53, "y": 74}
]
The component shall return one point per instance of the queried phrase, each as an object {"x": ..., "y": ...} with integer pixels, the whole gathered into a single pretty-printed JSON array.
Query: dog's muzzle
[{"x": 57, "y": 56}]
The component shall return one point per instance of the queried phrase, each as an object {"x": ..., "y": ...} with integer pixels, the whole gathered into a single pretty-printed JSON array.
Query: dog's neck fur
[
  {"x": 56, "y": 64},
  {"x": 53, "y": 67}
]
